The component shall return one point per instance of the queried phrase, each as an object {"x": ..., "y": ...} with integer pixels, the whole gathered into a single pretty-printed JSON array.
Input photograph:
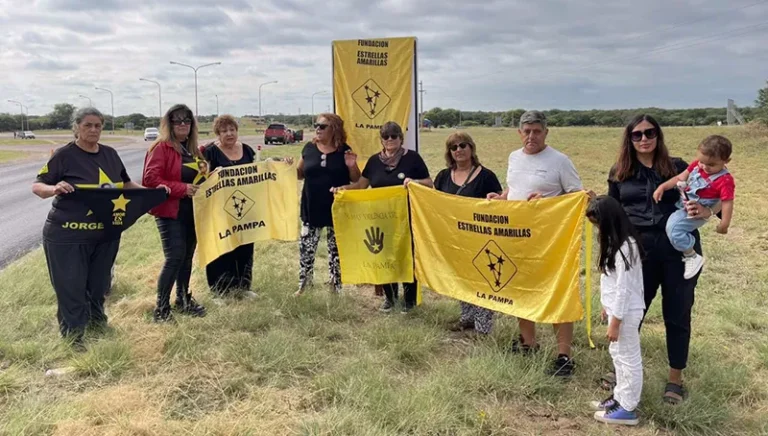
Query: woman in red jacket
[{"x": 174, "y": 160}]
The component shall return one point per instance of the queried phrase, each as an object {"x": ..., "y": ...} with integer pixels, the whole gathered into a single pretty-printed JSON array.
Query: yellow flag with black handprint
[{"x": 373, "y": 236}]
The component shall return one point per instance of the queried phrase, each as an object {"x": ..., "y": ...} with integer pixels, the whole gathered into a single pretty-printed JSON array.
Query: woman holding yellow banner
[
  {"x": 465, "y": 176},
  {"x": 326, "y": 161},
  {"x": 394, "y": 165}
]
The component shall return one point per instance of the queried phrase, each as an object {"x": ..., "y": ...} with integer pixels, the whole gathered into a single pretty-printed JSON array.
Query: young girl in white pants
[{"x": 621, "y": 294}]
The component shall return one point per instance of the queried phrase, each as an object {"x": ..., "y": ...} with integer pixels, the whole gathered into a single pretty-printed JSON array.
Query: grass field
[
  {"x": 333, "y": 365},
  {"x": 10, "y": 155}
]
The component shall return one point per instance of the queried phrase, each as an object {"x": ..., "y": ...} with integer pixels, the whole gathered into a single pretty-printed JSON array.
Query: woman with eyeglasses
[
  {"x": 174, "y": 160},
  {"x": 644, "y": 163},
  {"x": 465, "y": 176},
  {"x": 394, "y": 165},
  {"x": 326, "y": 161}
]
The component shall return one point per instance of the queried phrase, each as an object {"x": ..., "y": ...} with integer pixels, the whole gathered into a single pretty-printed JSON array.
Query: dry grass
[{"x": 328, "y": 365}]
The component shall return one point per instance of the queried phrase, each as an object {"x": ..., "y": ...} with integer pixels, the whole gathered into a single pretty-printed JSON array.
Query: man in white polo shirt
[{"x": 537, "y": 171}]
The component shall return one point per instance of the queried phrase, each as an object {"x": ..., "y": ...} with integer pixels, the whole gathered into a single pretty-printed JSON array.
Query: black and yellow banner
[
  {"x": 373, "y": 236},
  {"x": 521, "y": 258},
  {"x": 117, "y": 209},
  {"x": 374, "y": 82},
  {"x": 243, "y": 204}
]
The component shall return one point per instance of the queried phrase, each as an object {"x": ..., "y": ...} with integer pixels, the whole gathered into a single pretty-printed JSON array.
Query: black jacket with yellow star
[{"x": 70, "y": 220}]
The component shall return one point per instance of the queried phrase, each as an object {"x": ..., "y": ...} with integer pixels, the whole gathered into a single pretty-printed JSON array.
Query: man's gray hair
[{"x": 533, "y": 117}]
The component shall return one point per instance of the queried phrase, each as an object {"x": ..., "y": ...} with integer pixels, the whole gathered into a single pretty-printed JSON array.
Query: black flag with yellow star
[{"x": 118, "y": 209}]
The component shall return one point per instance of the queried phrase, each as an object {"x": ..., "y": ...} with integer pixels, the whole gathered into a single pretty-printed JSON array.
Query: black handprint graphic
[{"x": 375, "y": 240}]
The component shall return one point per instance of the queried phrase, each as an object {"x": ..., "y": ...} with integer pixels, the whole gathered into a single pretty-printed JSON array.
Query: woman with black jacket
[{"x": 644, "y": 164}]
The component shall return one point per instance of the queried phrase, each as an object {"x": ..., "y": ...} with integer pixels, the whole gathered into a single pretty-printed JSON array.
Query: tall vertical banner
[
  {"x": 374, "y": 81},
  {"x": 521, "y": 258}
]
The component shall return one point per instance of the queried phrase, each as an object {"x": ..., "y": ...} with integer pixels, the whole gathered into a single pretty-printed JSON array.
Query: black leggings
[
  {"x": 80, "y": 275},
  {"x": 663, "y": 266},
  {"x": 179, "y": 242},
  {"x": 391, "y": 291}
]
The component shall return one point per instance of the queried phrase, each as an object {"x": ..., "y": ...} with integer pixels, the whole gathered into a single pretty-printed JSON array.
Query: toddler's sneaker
[
  {"x": 693, "y": 265},
  {"x": 617, "y": 415},
  {"x": 603, "y": 405}
]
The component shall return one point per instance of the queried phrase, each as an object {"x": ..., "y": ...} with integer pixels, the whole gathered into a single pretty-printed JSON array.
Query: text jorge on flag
[
  {"x": 243, "y": 204},
  {"x": 521, "y": 258},
  {"x": 373, "y": 236}
]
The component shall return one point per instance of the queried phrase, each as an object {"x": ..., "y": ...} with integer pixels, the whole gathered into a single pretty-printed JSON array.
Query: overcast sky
[{"x": 476, "y": 55}]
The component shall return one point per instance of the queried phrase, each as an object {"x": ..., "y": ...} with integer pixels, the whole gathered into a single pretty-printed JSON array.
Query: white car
[
  {"x": 150, "y": 133},
  {"x": 27, "y": 135}
]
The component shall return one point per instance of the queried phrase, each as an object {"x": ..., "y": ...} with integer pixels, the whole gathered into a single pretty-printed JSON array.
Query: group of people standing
[{"x": 648, "y": 237}]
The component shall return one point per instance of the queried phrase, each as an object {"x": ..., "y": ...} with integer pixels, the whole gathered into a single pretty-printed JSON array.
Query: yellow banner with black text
[
  {"x": 373, "y": 236},
  {"x": 373, "y": 83},
  {"x": 517, "y": 257},
  {"x": 243, "y": 204}
]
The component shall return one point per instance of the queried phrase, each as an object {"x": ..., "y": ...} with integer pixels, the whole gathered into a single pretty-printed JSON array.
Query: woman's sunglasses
[
  {"x": 651, "y": 133},
  {"x": 455, "y": 147},
  {"x": 390, "y": 137},
  {"x": 178, "y": 122},
  {"x": 321, "y": 126}
]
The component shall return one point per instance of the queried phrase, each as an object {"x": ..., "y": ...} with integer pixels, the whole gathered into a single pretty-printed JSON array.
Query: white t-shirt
[
  {"x": 621, "y": 291},
  {"x": 548, "y": 172}
]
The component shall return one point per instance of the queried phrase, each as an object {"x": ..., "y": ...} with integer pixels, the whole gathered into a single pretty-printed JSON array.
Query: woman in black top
[
  {"x": 326, "y": 161},
  {"x": 394, "y": 165},
  {"x": 465, "y": 176},
  {"x": 231, "y": 273},
  {"x": 78, "y": 252},
  {"x": 643, "y": 164}
]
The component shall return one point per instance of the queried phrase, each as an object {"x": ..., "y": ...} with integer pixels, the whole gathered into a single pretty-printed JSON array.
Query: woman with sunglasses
[
  {"x": 394, "y": 165},
  {"x": 174, "y": 160},
  {"x": 326, "y": 161},
  {"x": 465, "y": 176},
  {"x": 644, "y": 164}
]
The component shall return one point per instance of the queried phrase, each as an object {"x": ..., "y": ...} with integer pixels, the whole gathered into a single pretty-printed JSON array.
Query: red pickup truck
[{"x": 278, "y": 133}]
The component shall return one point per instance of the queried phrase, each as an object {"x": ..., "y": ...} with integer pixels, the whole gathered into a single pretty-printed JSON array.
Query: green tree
[
  {"x": 61, "y": 117},
  {"x": 762, "y": 98}
]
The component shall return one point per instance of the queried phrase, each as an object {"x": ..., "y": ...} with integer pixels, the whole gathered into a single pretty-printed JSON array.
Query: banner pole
[{"x": 588, "y": 289}]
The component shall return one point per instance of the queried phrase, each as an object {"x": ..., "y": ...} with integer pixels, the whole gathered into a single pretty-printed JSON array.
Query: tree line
[{"x": 61, "y": 117}]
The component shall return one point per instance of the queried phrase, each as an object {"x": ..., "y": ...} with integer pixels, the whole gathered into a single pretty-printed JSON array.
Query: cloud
[
  {"x": 490, "y": 54},
  {"x": 50, "y": 65}
]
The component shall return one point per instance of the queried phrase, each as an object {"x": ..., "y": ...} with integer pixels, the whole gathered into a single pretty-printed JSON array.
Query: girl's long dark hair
[
  {"x": 625, "y": 165},
  {"x": 614, "y": 230}
]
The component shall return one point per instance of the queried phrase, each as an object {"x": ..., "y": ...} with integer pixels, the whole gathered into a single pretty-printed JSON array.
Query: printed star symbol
[
  {"x": 196, "y": 167},
  {"x": 121, "y": 203},
  {"x": 103, "y": 180}
]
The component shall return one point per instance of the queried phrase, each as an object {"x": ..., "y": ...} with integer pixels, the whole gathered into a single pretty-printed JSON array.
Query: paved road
[{"x": 22, "y": 213}]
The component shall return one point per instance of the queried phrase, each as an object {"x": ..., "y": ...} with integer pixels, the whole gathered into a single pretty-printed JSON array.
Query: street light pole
[
  {"x": 313, "y": 102},
  {"x": 265, "y": 83},
  {"x": 217, "y": 105},
  {"x": 112, "y": 102},
  {"x": 90, "y": 103},
  {"x": 195, "y": 70},
  {"x": 26, "y": 109},
  {"x": 20, "y": 110},
  {"x": 159, "y": 97}
]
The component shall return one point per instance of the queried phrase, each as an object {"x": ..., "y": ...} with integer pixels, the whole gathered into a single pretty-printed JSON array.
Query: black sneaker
[
  {"x": 518, "y": 347},
  {"x": 191, "y": 307},
  {"x": 162, "y": 315},
  {"x": 563, "y": 366},
  {"x": 387, "y": 306},
  {"x": 78, "y": 344},
  {"x": 407, "y": 308}
]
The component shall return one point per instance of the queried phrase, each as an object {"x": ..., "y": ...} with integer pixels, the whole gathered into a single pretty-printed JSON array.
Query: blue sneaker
[
  {"x": 603, "y": 405},
  {"x": 617, "y": 415}
]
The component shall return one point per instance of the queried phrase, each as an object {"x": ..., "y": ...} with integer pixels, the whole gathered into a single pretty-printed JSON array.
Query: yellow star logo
[
  {"x": 201, "y": 175},
  {"x": 121, "y": 203},
  {"x": 104, "y": 182}
]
